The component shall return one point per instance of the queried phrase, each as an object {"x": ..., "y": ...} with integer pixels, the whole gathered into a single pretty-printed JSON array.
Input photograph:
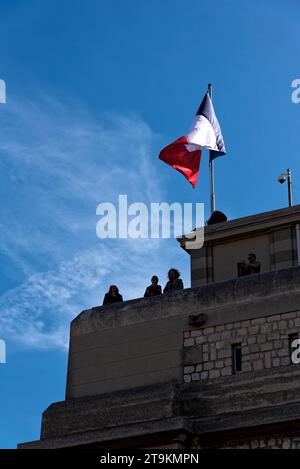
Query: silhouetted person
[
  {"x": 174, "y": 283},
  {"x": 154, "y": 289},
  {"x": 251, "y": 267},
  {"x": 112, "y": 296}
]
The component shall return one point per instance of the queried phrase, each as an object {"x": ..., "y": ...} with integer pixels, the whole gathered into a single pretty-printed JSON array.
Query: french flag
[{"x": 185, "y": 153}]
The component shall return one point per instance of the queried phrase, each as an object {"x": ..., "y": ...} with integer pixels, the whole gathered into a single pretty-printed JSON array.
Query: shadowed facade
[{"x": 146, "y": 374}]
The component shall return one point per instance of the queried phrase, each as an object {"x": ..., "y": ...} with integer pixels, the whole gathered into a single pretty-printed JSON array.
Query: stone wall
[{"x": 265, "y": 344}]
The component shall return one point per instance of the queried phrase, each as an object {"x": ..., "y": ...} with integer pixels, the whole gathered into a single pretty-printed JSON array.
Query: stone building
[{"x": 208, "y": 367}]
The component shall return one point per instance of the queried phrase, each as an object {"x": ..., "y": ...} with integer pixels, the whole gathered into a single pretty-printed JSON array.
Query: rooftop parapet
[{"x": 141, "y": 342}]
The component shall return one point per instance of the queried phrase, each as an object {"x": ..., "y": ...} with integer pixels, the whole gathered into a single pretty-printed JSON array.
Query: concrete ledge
[
  {"x": 282, "y": 419},
  {"x": 143, "y": 435},
  {"x": 247, "y": 404},
  {"x": 241, "y": 392},
  {"x": 193, "y": 300},
  {"x": 252, "y": 224},
  {"x": 143, "y": 404}
]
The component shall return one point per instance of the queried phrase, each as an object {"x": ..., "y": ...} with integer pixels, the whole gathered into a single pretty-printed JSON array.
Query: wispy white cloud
[
  {"x": 37, "y": 313},
  {"x": 56, "y": 165}
]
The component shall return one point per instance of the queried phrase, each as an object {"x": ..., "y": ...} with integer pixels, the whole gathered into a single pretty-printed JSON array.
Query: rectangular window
[{"x": 237, "y": 358}]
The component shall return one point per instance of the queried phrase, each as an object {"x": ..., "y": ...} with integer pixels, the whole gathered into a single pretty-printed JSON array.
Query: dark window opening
[{"x": 237, "y": 358}]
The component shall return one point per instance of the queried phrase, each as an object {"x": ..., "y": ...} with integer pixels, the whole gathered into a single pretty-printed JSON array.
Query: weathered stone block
[
  {"x": 188, "y": 369},
  {"x": 258, "y": 365},
  {"x": 208, "y": 366},
  {"x": 224, "y": 353},
  {"x": 282, "y": 325},
  {"x": 200, "y": 340},
  {"x": 192, "y": 355},
  {"x": 219, "y": 364},
  {"x": 265, "y": 328},
  {"x": 227, "y": 371},
  {"x": 195, "y": 376},
  {"x": 265, "y": 347},
  {"x": 214, "y": 374},
  {"x": 247, "y": 366},
  {"x": 189, "y": 342}
]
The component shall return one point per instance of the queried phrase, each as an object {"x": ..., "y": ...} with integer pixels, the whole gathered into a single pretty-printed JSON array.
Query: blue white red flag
[{"x": 184, "y": 154}]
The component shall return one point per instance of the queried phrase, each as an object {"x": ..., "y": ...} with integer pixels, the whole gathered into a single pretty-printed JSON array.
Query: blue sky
[{"x": 94, "y": 90}]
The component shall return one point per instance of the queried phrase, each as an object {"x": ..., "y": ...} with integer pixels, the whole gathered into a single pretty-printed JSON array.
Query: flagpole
[{"x": 211, "y": 171}]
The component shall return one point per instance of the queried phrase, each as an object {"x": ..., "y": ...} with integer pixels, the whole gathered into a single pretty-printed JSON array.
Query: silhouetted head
[
  {"x": 251, "y": 258},
  {"x": 154, "y": 280},
  {"x": 113, "y": 290},
  {"x": 173, "y": 274}
]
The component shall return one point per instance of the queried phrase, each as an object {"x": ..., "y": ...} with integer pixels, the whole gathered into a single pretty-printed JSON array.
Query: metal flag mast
[{"x": 211, "y": 171}]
